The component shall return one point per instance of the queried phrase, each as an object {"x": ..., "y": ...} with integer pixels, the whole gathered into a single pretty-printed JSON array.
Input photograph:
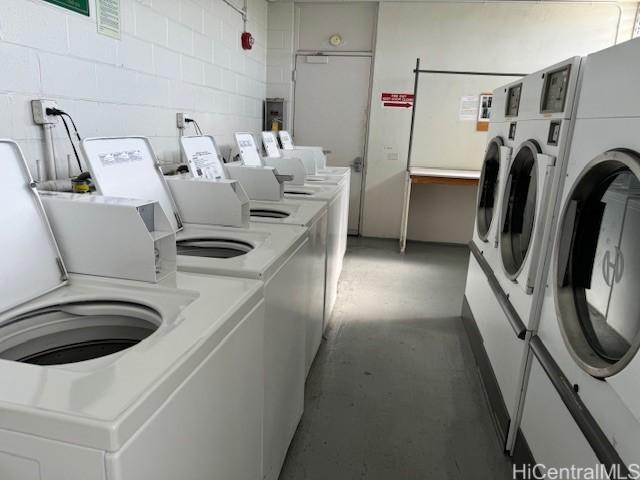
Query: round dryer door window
[
  {"x": 489, "y": 188},
  {"x": 598, "y": 264},
  {"x": 519, "y": 207}
]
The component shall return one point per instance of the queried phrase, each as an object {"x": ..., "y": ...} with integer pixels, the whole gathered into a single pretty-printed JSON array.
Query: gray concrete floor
[{"x": 394, "y": 392}]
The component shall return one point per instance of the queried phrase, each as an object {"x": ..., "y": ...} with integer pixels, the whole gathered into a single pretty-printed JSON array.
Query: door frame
[{"x": 303, "y": 53}]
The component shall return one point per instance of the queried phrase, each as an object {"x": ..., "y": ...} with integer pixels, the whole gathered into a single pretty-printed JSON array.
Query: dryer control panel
[
  {"x": 513, "y": 100},
  {"x": 554, "y": 92}
]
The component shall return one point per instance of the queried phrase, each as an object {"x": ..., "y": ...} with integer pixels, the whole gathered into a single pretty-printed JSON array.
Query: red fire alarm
[{"x": 247, "y": 41}]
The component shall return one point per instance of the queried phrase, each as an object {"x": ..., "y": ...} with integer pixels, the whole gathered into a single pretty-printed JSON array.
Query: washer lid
[
  {"x": 270, "y": 143},
  {"x": 248, "y": 149},
  {"x": 285, "y": 139},
  {"x": 127, "y": 167},
  {"x": 203, "y": 157},
  {"x": 31, "y": 261}
]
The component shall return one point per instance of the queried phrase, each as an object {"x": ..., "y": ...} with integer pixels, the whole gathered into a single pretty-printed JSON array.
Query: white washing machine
[
  {"x": 335, "y": 197},
  {"x": 96, "y": 371},
  {"x": 278, "y": 255},
  {"x": 316, "y": 173},
  {"x": 590, "y": 319},
  {"x": 314, "y": 159},
  {"x": 203, "y": 159}
]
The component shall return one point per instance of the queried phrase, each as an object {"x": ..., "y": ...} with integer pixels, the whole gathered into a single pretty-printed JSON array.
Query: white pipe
[
  {"x": 617, "y": 5},
  {"x": 49, "y": 170}
]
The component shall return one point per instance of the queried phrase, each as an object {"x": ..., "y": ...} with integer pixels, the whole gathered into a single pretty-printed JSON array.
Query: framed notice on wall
[
  {"x": 108, "y": 18},
  {"x": 484, "y": 112},
  {"x": 78, "y": 6}
]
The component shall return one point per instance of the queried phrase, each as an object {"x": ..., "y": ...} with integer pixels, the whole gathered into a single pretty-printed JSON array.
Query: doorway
[{"x": 331, "y": 109}]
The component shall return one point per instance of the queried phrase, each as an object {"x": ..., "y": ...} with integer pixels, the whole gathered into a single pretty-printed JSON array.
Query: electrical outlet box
[
  {"x": 181, "y": 120},
  {"x": 39, "y": 109}
]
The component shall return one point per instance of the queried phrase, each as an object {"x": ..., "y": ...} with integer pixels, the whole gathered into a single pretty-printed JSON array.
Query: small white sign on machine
[
  {"x": 469, "y": 108},
  {"x": 271, "y": 144},
  {"x": 206, "y": 164}
]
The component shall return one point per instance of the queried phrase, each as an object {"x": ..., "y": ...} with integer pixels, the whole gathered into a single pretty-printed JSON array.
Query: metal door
[{"x": 331, "y": 109}]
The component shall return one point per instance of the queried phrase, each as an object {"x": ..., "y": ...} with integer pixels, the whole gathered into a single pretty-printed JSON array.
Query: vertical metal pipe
[
  {"x": 49, "y": 170},
  {"x": 416, "y": 74}
]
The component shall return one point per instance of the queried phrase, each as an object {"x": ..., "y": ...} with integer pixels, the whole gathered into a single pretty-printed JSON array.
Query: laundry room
[{"x": 320, "y": 239}]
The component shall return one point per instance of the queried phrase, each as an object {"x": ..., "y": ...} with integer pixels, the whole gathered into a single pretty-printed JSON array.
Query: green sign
[{"x": 78, "y": 6}]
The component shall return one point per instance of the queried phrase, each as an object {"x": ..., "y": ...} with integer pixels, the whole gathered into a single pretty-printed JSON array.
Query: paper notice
[
  {"x": 468, "y": 108},
  {"x": 206, "y": 165},
  {"x": 108, "y": 18}
]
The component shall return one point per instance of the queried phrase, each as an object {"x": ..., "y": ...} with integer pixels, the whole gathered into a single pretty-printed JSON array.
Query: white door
[{"x": 331, "y": 109}]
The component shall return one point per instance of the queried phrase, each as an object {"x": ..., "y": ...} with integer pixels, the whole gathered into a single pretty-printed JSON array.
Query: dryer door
[
  {"x": 597, "y": 266},
  {"x": 488, "y": 193},
  {"x": 519, "y": 208}
]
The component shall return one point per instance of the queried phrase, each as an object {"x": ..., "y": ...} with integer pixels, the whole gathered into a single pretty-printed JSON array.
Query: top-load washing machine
[
  {"x": 96, "y": 371},
  {"x": 335, "y": 197},
  {"x": 318, "y": 173},
  {"x": 590, "y": 317},
  {"x": 314, "y": 158},
  {"x": 205, "y": 161},
  {"x": 276, "y": 254}
]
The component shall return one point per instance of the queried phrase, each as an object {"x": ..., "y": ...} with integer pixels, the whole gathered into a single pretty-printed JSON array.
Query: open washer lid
[
  {"x": 127, "y": 167},
  {"x": 285, "y": 140},
  {"x": 31, "y": 262},
  {"x": 248, "y": 149},
  {"x": 203, "y": 156},
  {"x": 270, "y": 143}
]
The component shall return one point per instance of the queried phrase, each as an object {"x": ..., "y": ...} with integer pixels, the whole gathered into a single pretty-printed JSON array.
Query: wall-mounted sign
[
  {"x": 78, "y": 6},
  {"x": 397, "y": 100},
  {"x": 484, "y": 112},
  {"x": 468, "y": 108},
  {"x": 108, "y": 18}
]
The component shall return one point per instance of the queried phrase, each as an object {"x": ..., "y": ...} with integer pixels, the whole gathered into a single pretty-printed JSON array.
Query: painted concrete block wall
[
  {"x": 280, "y": 56},
  {"x": 459, "y": 37},
  {"x": 174, "y": 55}
]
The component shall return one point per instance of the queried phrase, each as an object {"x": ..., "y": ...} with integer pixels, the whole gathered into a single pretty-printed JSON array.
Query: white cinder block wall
[
  {"x": 174, "y": 55},
  {"x": 280, "y": 59}
]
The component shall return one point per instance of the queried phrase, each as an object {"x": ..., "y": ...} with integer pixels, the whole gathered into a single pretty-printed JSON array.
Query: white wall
[
  {"x": 458, "y": 37},
  {"x": 174, "y": 55},
  {"x": 280, "y": 54}
]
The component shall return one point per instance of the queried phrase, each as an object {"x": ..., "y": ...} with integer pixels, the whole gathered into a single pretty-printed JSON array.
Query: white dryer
[
  {"x": 96, "y": 371},
  {"x": 542, "y": 139},
  {"x": 276, "y": 254},
  {"x": 590, "y": 318},
  {"x": 204, "y": 160},
  {"x": 502, "y": 342},
  {"x": 538, "y": 111}
]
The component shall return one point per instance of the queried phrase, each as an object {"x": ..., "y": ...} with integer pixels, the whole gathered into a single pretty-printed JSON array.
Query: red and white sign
[{"x": 397, "y": 100}]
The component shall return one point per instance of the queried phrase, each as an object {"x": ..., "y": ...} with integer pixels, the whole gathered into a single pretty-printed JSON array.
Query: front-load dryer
[
  {"x": 590, "y": 315},
  {"x": 104, "y": 378},
  {"x": 276, "y": 254},
  {"x": 499, "y": 339},
  {"x": 538, "y": 110}
]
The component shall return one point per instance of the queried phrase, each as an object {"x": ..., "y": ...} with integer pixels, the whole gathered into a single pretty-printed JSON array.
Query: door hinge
[{"x": 293, "y": 75}]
